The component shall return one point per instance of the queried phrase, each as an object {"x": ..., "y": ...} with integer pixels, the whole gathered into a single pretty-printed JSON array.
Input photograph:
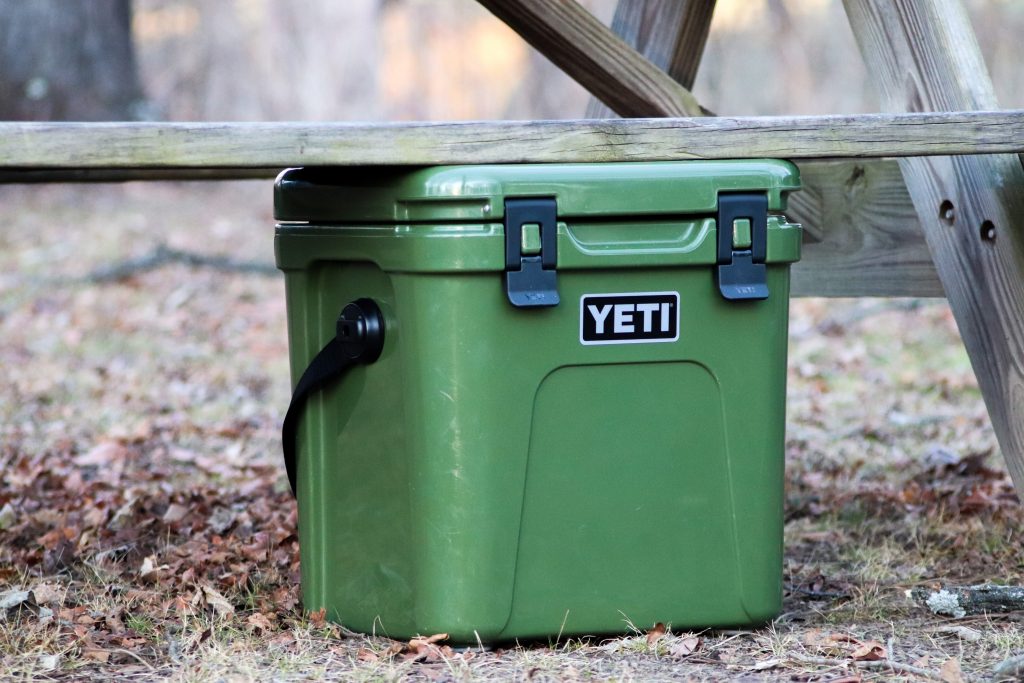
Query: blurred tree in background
[{"x": 62, "y": 60}]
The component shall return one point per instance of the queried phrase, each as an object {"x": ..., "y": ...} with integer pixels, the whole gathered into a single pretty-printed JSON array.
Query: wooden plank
[
  {"x": 861, "y": 234},
  {"x": 590, "y": 53},
  {"x": 692, "y": 37},
  {"x": 924, "y": 56},
  {"x": 37, "y": 146},
  {"x": 123, "y": 175},
  {"x": 671, "y": 34}
]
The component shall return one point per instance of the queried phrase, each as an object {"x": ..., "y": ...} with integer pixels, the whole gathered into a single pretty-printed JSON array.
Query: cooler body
[{"x": 507, "y": 471}]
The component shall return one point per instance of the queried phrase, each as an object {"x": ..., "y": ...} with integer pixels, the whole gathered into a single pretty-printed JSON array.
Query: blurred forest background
[{"x": 410, "y": 60}]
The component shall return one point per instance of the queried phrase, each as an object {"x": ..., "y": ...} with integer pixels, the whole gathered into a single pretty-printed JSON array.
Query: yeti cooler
[{"x": 534, "y": 400}]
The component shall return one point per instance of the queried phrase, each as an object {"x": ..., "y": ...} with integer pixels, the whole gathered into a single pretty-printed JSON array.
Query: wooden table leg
[{"x": 924, "y": 57}]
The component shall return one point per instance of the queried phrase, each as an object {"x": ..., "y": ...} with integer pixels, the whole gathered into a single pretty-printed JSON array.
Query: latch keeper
[
  {"x": 531, "y": 280},
  {"x": 741, "y": 272}
]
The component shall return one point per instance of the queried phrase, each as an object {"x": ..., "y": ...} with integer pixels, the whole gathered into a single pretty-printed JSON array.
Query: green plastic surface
[
  {"x": 741, "y": 238},
  {"x": 460, "y": 193},
  {"x": 490, "y": 476},
  {"x": 530, "y": 243}
]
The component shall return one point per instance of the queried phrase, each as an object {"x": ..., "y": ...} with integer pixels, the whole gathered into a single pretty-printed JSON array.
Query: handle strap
[{"x": 358, "y": 340}]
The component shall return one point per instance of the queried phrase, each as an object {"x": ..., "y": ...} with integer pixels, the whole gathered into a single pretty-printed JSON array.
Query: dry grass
[{"x": 893, "y": 480}]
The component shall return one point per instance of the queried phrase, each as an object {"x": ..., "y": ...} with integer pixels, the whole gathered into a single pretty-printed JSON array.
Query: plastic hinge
[
  {"x": 531, "y": 281},
  {"x": 741, "y": 273}
]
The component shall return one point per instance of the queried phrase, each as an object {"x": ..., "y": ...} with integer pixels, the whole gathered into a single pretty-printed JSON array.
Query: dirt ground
[{"x": 144, "y": 505}]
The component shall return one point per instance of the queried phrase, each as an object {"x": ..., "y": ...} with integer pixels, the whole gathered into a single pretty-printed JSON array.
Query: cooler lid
[{"x": 460, "y": 193}]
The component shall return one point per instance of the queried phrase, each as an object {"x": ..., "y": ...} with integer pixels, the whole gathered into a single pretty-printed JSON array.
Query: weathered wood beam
[
  {"x": 36, "y": 146},
  {"x": 861, "y": 235},
  {"x": 600, "y": 61},
  {"x": 924, "y": 57},
  {"x": 671, "y": 34},
  {"x": 692, "y": 37},
  {"x": 123, "y": 175}
]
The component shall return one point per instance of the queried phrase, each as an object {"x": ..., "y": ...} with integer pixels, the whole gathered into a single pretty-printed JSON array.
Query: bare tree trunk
[{"x": 63, "y": 60}]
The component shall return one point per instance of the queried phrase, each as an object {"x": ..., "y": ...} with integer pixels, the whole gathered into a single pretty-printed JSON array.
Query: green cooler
[{"x": 538, "y": 399}]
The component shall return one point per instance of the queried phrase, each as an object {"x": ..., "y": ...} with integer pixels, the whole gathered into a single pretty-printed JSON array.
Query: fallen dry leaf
[
  {"x": 96, "y": 654},
  {"x": 13, "y": 599},
  {"x": 258, "y": 621},
  {"x": 216, "y": 601},
  {"x": 132, "y": 643},
  {"x": 963, "y": 632},
  {"x": 47, "y": 594},
  {"x": 55, "y": 537},
  {"x": 94, "y": 517},
  {"x": 429, "y": 640},
  {"x": 869, "y": 651},
  {"x": 123, "y": 517},
  {"x": 393, "y": 649},
  {"x": 180, "y": 603},
  {"x": 426, "y": 649},
  {"x": 48, "y": 662},
  {"x": 814, "y": 637},
  {"x": 149, "y": 571},
  {"x": 950, "y": 671},
  {"x": 102, "y": 454},
  {"x": 175, "y": 513},
  {"x": 766, "y": 664},
  {"x": 7, "y": 516},
  {"x": 684, "y": 646},
  {"x": 844, "y": 645},
  {"x": 112, "y": 620},
  {"x": 221, "y": 520},
  {"x": 655, "y": 634},
  {"x": 318, "y": 617}
]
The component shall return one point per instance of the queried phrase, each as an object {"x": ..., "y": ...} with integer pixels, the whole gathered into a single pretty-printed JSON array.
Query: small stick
[
  {"x": 886, "y": 664},
  {"x": 959, "y": 601}
]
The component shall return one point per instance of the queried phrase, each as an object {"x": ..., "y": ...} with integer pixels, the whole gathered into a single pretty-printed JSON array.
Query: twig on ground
[
  {"x": 820, "y": 595},
  {"x": 859, "y": 314},
  {"x": 901, "y": 668},
  {"x": 885, "y": 664},
  {"x": 865, "y": 312},
  {"x": 162, "y": 255},
  {"x": 962, "y": 632},
  {"x": 134, "y": 656}
]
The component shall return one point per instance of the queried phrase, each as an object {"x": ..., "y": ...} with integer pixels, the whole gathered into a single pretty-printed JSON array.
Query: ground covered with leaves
[{"x": 146, "y": 530}]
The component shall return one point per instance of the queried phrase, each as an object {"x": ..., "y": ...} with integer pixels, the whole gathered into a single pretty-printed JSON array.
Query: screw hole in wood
[
  {"x": 988, "y": 231},
  {"x": 946, "y": 212}
]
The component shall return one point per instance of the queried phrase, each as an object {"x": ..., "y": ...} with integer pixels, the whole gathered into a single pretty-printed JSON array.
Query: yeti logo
[{"x": 637, "y": 318}]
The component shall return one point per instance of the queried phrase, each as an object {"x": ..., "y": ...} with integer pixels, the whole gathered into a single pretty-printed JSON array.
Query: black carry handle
[{"x": 358, "y": 340}]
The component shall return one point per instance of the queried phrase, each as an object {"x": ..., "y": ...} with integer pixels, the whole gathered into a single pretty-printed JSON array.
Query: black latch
[
  {"x": 530, "y": 278},
  {"x": 742, "y": 245}
]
